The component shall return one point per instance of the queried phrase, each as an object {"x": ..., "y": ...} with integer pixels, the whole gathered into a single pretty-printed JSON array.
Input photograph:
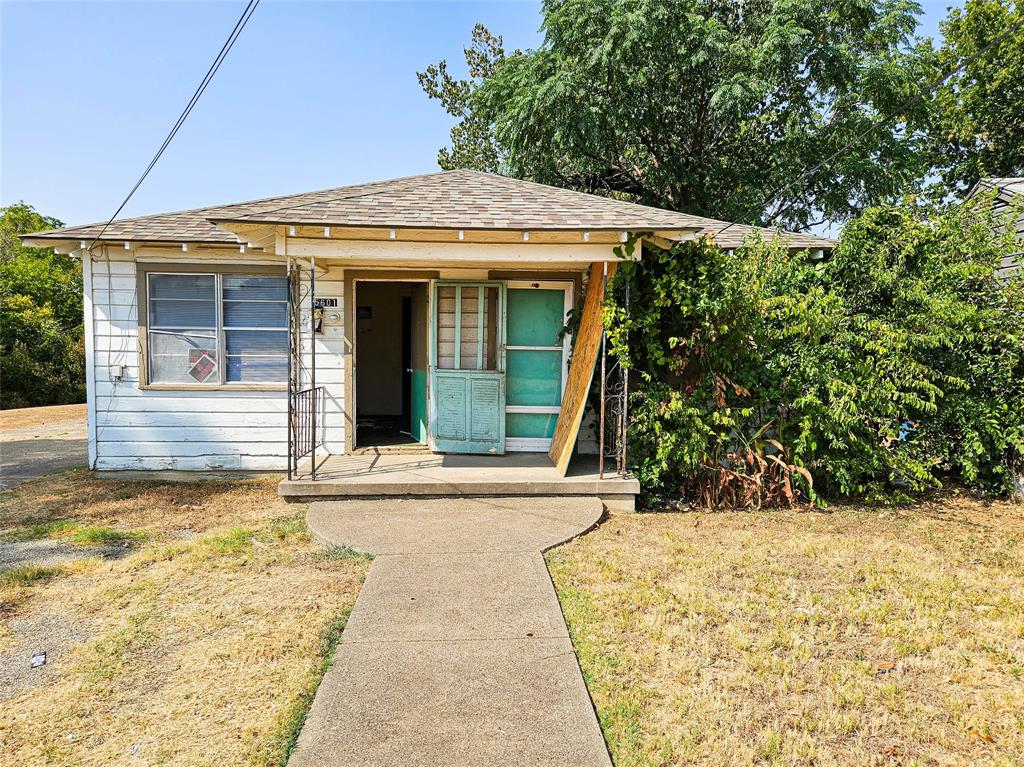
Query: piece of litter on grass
[{"x": 38, "y": 659}]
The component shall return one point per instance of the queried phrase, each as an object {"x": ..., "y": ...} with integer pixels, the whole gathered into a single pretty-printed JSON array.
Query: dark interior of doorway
[{"x": 390, "y": 365}]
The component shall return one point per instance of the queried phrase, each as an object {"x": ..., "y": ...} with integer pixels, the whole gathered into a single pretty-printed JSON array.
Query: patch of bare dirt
[{"x": 28, "y": 417}]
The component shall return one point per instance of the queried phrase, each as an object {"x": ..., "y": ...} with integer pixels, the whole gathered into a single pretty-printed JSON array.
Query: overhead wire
[
  {"x": 229, "y": 43},
  {"x": 215, "y": 65}
]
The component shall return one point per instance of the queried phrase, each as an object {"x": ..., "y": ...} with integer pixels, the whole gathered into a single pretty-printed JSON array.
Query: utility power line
[{"x": 229, "y": 43}]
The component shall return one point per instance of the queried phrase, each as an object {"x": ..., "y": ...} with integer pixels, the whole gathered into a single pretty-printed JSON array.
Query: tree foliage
[
  {"x": 473, "y": 142},
  {"x": 711, "y": 108},
  {"x": 882, "y": 372},
  {"x": 42, "y": 357},
  {"x": 976, "y": 126}
]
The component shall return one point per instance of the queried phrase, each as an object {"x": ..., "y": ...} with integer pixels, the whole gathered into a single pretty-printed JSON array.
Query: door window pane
[
  {"x": 477, "y": 326},
  {"x": 534, "y": 377},
  {"x": 535, "y": 317},
  {"x": 535, "y": 425}
]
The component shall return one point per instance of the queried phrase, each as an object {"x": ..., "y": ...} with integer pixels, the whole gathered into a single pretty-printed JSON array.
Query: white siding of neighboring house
[
  {"x": 136, "y": 428},
  {"x": 1009, "y": 193},
  {"x": 1002, "y": 206}
]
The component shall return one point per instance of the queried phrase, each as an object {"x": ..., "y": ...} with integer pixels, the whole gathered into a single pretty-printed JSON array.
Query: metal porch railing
[
  {"x": 306, "y": 400},
  {"x": 306, "y": 417}
]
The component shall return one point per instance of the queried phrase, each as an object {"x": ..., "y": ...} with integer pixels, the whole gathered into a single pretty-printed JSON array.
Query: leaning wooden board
[{"x": 585, "y": 349}]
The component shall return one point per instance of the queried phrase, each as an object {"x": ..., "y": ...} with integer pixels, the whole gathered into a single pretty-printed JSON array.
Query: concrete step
[{"x": 364, "y": 476}]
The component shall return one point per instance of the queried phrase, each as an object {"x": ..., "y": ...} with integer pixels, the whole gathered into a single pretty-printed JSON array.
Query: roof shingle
[{"x": 457, "y": 199}]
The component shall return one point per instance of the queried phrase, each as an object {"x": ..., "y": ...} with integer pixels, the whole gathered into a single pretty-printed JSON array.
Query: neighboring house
[
  {"x": 433, "y": 303},
  {"x": 1007, "y": 193}
]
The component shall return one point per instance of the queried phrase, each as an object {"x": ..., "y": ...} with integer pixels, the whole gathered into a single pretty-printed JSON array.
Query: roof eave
[{"x": 80, "y": 242}]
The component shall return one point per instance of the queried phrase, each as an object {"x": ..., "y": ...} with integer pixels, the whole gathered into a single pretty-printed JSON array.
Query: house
[
  {"x": 385, "y": 322},
  {"x": 1006, "y": 192}
]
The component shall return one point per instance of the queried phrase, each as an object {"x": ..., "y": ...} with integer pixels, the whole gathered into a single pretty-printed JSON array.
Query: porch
[
  {"x": 451, "y": 387},
  {"x": 428, "y": 474}
]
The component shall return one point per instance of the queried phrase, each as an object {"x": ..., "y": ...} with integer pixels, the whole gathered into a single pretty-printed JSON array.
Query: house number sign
[{"x": 325, "y": 303}]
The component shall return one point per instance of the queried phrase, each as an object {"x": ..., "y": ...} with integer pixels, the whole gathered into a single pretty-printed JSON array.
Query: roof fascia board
[{"x": 426, "y": 252}]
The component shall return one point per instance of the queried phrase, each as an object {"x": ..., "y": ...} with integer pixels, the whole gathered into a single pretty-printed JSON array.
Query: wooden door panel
[
  {"x": 467, "y": 393},
  {"x": 451, "y": 407}
]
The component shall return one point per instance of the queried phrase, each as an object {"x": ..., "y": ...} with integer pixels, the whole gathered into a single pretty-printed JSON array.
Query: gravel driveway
[{"x": 38, "y": 441}]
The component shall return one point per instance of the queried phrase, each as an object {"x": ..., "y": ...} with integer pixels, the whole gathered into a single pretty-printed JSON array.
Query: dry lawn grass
[
  {"x": 27, "y": 417},
  {"x": 857, "y": 637},
  {"x": 204, "y": 642}
]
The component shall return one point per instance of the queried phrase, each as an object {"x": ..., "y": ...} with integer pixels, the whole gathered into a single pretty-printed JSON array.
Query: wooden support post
[{"x": 581, "y": 369}]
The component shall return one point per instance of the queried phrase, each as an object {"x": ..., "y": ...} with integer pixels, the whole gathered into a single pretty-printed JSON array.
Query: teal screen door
[
  {"x": 467, "y": 368},
  {"x": 536, "y": 355}
]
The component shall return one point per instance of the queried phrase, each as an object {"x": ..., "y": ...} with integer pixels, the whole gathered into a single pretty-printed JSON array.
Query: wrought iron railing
[
  {"x": 613, "y": 405},
  {"x": 306, "y": 419},
  {"x": 306, "y": 400}
]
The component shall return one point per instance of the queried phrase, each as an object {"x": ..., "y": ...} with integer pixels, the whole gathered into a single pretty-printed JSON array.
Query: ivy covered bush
[{"x": 766, "y": 378}]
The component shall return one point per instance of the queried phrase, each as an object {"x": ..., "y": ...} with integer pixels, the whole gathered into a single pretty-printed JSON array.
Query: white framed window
[{"x": 211, "y": 328}]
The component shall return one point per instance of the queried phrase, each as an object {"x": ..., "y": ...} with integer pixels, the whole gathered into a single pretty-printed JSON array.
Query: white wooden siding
[
  {"x": 330, "y": 350},
  {"x": 137, "y": 428},
  {"x": 182, "y": 429}
]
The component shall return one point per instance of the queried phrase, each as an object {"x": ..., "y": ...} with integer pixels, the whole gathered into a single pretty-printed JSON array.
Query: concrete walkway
[{"x": 456, "y": 652}]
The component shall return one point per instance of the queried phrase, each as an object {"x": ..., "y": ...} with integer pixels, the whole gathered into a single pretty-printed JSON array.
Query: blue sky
[{"x": 313, "y": 95}]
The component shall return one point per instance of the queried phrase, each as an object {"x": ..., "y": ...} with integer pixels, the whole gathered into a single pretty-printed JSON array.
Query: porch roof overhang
[{"x": 364, "y": 246}]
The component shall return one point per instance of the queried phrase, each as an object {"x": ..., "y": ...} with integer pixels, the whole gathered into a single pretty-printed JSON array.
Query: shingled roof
[
  {"x": 456, "y": 199},
  {"x": 180, "y": 226}
]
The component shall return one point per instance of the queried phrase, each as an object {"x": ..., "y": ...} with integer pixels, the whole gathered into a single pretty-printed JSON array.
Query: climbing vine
[{"x": 766, "y": 378}]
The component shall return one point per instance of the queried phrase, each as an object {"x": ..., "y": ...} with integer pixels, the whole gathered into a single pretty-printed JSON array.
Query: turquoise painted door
[
  {"x": 467, "y": 367},
  {"x": 419, "y": 356},
  {"x": 536, "y": 353}
]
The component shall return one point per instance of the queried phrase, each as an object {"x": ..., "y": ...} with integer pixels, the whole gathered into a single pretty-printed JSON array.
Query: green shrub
[
  {"x": 42, "y": 350},
  {"x": 891, "y": 367}
]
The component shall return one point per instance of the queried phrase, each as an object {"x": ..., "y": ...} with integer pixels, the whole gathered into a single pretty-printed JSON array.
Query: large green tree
[
  {"x": 42, "y": 358},
  {"x": 709, "y": 107},
  {"x": 976, "y": 125}
]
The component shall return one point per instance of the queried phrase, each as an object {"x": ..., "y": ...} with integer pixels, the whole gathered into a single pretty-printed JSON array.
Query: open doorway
[{"x": 391, "y": 364}]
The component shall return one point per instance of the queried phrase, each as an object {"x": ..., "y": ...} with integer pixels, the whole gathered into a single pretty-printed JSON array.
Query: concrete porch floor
[{"x": 512, "y": 474}]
